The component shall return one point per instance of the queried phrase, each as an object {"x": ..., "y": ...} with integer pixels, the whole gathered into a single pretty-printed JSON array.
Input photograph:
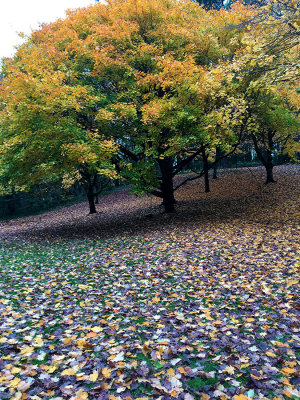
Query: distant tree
[
  {"x": 211, "y": 4},
  {"x": 273, "y": 128}
]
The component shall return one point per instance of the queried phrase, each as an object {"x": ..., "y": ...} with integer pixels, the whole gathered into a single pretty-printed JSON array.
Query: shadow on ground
[{"x": 237, "y": 196}]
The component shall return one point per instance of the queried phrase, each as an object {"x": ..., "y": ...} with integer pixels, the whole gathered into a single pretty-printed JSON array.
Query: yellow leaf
[
  {"x": 240, "y": 397},
  {"x": 68, "y": 341},
  {"x": 52, "y": 369},
  {"x": 171, "y": 372},
  {"x": 28, "y": 349},
  {"x": 106, "y": 372},
  {"x": 68, "y": 372},
  {"x": 155, "y": 299},
  {"x": 82, "y": 344},
  {"x": 14, "y": 383},
  {"x": 270, "y": 354},
  {"x": 81, "y": 395},
  {"x": 15, "y": 370},
  {"x": 293, "y": 282},
  {"x": 292, "y": 364},
  {"x": 229, "y": 369},
  {"x": 97, "y": 329},
  {"x": 181, "y": 370},
  {"x": 94, "y": 376},
  {"x": 38, "y": 342},
  {"x": 287, "y": 371},
  {"x": 245, "y": 365},
  {"x": 286, "y": 382}
]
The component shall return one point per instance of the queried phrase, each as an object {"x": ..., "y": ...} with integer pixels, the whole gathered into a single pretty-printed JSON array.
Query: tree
[
  {"x": 264, "y": 71},
  {"x": 145, "y": 87},
  {"x": 273, "y": 127},
  {"x": 272, "y": 44},
  {"x": 46, "y": 131},
  {"x": 161, "y": 86}
]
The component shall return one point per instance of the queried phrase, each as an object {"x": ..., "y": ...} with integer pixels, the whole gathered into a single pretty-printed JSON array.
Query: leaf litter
[{"x": 198, "y": 305}]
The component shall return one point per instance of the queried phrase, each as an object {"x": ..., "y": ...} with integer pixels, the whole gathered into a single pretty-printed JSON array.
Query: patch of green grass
[
  {"x": 209, "y": 366},
  {"x": 200, "y": 382}
]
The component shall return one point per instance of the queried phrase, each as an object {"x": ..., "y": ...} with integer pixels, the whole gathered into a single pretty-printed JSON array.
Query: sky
[{"x": 26, "y": 15}]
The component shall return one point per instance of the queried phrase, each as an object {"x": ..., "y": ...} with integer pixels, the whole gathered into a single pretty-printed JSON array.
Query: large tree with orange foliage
[
  {"x": 130, "y": 75},
  {"x": 130, "y": 87}
]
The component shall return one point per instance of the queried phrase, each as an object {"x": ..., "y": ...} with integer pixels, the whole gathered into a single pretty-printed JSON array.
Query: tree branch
[
  {"x": 184, "y": 162},
  {"x": 129, "y": 153}
]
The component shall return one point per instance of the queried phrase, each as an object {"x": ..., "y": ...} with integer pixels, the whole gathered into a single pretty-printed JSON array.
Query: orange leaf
[
  {"x": 91, "y": 335},
  {"x": 106, "y": 372}
]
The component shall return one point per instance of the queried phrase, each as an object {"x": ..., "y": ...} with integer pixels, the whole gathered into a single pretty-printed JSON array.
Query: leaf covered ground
[{"x": 133, "y": 304}]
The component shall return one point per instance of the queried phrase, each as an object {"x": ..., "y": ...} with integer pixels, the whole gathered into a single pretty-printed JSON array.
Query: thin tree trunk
[
  {"x": 167, "y": 189},
  {"x": 266, "y": 160},
  {"x": 89, "y": 183},
  {"x": 91, "y": 195},
  {"x": 269, "y": 168},
  {"x": 269, "y": 159},
  {"x": 218, "y": 151},
  {"x": 205, "y": 168},
  {"x": 215, "y": 176}
]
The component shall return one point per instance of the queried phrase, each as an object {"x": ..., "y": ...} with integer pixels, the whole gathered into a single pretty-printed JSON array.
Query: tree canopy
[{"x": 137, "y": 90}]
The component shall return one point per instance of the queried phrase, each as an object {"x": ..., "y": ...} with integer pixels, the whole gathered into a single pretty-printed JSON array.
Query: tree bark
[
  {"x": 89, "y": 182},
  {"x": 91, "y": 199},
  {"x": 205, "y": 168},
  {"x": 269, "y": 168},
  {"x": 269, "y": 159},
  {"x": 266, "y": 160},
  {"x": 215, "y": 176},
  {"x": 167, "y": 189},
  {"x": 218, "y": 153}
]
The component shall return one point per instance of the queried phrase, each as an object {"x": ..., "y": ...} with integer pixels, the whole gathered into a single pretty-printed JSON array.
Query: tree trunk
[
  {"x": 11, "y": 204},
  {"x": 218, "y": 153},
  {"x": 205, "y": 167},
  {"x": 266, "y": 160},
  {"x": 269, "y": 159},
  {"x": 269, "y": 168},
  {"x": 215, "y": 176},
  {"x": 167, "y": 189},
  {"x": 91, "y": 199}
]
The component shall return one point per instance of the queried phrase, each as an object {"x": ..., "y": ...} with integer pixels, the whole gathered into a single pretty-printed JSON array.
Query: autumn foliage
[{"x": 137, "y": 89}]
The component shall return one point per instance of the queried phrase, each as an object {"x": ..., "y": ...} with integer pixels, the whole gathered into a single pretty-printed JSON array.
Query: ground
[{"x": 132, "y": 303}]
